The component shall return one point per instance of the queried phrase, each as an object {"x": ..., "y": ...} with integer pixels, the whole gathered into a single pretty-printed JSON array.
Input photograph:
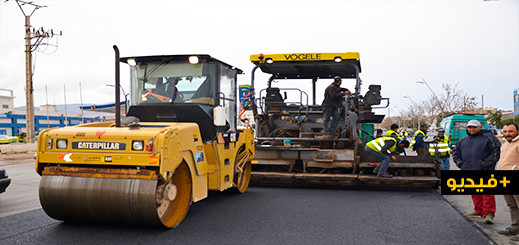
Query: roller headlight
[
  {"x": 193, "y": 60},
  {"x": 137, "y": 145},
  {"x": 131, "y": 62},
  {"x": 61, "y": 144}
]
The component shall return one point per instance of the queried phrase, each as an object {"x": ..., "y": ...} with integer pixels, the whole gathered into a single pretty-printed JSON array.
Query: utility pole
[
  {"x": 39, "y": 35},
  {"x": 65, "y": 95},
  {"x": 483, "y": 104},
  {"x": 81, "y": 98}
]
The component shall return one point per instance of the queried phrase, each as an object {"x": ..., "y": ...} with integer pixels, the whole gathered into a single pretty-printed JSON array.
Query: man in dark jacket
[
  {"x": 331, "y": 104},
  {"x": 479, "y": 150}
]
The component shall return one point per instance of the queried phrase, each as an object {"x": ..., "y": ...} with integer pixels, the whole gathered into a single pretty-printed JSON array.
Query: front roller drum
[{"x": 117, "y": 200}]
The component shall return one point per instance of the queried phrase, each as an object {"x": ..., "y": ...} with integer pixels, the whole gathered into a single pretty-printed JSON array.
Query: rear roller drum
[
  {"x": 174, "y": 197},
  {"x": 242, "y": 171}
]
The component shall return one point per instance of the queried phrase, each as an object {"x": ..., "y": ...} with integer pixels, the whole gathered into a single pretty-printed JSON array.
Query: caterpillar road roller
[
  {"x": 178, "y": 141},
  {"x": 291, "y": 147}
]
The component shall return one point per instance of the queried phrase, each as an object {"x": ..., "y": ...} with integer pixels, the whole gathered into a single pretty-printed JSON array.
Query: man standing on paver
[
  {"x": 333, "y": 97},
  {"x": 509, "y": 160},
  {"x": 479, "y": 150}
]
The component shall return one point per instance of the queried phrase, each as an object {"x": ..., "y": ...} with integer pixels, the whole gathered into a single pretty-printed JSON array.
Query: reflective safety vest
[
  {"x": 404, "y": 134},
  {"x": 390, "y": 132},
  {"x": 443, "y": 147},
  {"x": 378, "y": 143},
  {"x": 414, "y": 137}
]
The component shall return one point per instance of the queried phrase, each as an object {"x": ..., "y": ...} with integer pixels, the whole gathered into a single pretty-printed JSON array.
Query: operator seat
[
  {"x": 274, "y": 101},
  {"x": 373, "y": 96}
]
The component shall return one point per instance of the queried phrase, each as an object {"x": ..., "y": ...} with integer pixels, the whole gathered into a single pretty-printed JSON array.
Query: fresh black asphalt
[{"x": 274, "y": 215}]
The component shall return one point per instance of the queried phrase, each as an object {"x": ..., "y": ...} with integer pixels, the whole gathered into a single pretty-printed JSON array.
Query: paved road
[
  {"x": 22, "y": 193},
  {"x": 271, "y": 215}
]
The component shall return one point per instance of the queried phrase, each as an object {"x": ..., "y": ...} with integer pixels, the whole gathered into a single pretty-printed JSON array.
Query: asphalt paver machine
[
  {"x": 291, "y": 147},
  {"x": 178, "y": 141}
]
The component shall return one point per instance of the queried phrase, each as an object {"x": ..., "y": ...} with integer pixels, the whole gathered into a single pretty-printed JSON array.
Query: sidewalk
[
  {"x": 16, "y": 153},
  {"x": 463, "y": 203}
]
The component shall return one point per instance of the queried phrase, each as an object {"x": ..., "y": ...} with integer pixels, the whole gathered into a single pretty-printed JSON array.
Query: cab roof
[
  {"x": 309, "y": 65},
  {"x": 203, "y": 58}
]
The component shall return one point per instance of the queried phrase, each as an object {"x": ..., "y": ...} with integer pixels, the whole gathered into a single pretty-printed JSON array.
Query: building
[
  {"x": 13, "y": 120},
  {"x": 516, "y": 102},
  {"x": 6, "y": 101},
  {"x": 508, "y": 115}
]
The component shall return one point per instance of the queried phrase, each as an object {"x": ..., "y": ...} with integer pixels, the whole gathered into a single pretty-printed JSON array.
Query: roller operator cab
[
  {"x": 178, "y": 141},
  {"x": 291, "y": 146}
]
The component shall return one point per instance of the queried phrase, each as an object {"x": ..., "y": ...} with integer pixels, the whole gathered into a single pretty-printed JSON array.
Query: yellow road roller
[{"x": 178, "y": 141}]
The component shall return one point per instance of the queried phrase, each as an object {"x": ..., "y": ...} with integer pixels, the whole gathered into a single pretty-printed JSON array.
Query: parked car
[
  {"x": 4, "y": 180},
  {"x": 4, "y": 139},
  {"x": 22, "y": 137}
]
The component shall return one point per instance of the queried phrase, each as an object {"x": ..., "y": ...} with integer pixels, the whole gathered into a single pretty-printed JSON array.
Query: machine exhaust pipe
[{"x": 117, "y": 89}]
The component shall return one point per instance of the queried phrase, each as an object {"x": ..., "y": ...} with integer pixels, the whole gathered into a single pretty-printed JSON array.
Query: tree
[
  {"x": 495, "y": 117},
  {"x": 513, "y": 120},
  {"x": 451, "y": 100}
]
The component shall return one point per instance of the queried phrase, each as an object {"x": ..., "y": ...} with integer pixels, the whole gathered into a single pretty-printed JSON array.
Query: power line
[{"x": 33, "y": 39}]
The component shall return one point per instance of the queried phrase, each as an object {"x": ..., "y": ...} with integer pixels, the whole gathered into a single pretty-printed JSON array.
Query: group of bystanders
[{"x": 481, "y": 150}]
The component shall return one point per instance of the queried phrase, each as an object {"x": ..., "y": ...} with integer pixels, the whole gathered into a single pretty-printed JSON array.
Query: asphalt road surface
[
  {"x": 262, "y": 215},
  {"x": 22, "y": 194},
  {"x": 274, "y": 215}
]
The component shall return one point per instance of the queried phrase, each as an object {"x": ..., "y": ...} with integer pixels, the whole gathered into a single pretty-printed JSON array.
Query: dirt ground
[{"x": 11, "y": 159}]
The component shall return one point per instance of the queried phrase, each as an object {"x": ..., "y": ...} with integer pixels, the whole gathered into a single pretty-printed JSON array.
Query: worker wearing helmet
[
  {"x": 441, "y": 146},
  {"x": 385, "y": 148}
]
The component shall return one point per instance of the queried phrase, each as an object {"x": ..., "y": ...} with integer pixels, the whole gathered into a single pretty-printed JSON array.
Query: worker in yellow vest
[
  {"x": 417, "y": 144},
  {"x": 385, "y": 148},
  {"x": 392, "y": 132},
  {"x": 441, "y": 146},
  {"x": 404, "y": 134}
]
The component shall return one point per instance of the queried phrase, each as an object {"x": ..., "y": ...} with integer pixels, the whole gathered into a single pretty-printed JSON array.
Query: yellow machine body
[
  {"x": 101, "y": 151},
  {"x": 148, "y": 170}
]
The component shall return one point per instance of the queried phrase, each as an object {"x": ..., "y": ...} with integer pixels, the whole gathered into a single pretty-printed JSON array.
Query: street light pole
[
  {"x": 397, "y": 118},
  {"x": 436, "y": 97},
  {"x": 424, "y": 82},
  {"x": 125, "y": 97},
  {"x": 418, "y": 115}
]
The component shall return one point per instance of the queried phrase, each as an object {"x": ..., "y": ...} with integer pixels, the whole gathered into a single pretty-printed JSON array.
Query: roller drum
[{"x": 126, "y": 201}]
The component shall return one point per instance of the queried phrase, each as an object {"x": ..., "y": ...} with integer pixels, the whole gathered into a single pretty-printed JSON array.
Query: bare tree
[{"x": 451, "y": 99}]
